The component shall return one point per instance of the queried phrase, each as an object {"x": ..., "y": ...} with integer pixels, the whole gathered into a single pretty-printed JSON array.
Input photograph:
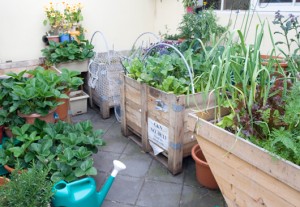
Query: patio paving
[{"x": 145, "y": 182}]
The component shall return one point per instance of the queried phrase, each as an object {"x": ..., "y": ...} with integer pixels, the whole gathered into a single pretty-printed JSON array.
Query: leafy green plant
[
  {"x": 189, "y": 3},
  {"x": 29, "y": 188},
  {"x": 37, "y": 94},
  {"x": 68, "y": 51},
  {"x": 62, "y": 148},
  {"x": 202, "y": 26},
  {"x": 69, "y": 80}
]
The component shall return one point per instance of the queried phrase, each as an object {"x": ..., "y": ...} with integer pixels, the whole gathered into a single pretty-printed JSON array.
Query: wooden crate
[
  {"x": 160, "y": 119},
  {"x": 246, "y": 174}
]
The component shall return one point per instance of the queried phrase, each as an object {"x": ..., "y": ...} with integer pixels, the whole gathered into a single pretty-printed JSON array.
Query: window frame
[
  {"x": 284, "y": 7},
  {"x": 269, "y": 7}
]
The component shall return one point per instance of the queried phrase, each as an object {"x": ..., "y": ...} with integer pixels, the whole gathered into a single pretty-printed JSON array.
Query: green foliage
[
  {"x": 29, "y": 188},
  {"x": 202, "y": 26},
  {"x": 165, "y": 72},
  {"x": 63, "y": 149},
  {"x": 68, "y": 51},
  {"x": 189, "y": 3},
  {"x": 69, "y": 79},
  {"x": 37, "y": 94}
]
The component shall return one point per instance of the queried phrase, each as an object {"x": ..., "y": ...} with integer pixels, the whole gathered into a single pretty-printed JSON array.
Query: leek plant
[{"x": 257, "y": 96}]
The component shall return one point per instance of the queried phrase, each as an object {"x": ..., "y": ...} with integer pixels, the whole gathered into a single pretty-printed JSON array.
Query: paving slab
[
  {"x": 137, "y": 164},
  {"x": 156, "y": 193},
  {"x": 158, "y": 172},
  {"x": 103, "y": 161},
  {"x": 125, "y": 190}
]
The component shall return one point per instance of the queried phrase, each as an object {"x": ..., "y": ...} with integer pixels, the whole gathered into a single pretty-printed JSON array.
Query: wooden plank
[
  {"x": 133, "y": 94},
  {"x": 175, "y": 151},
  {"x": 123, "y": 106},
  {"x": 247, "y": 181},
  {"x": 144, "y": 119},
  {"x": 283, "y": 170}
]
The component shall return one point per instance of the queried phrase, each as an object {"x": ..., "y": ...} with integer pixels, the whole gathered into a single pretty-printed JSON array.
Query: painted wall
[
  {"x": 121, "y": 21},
  {"x": 21, "y": 24}
]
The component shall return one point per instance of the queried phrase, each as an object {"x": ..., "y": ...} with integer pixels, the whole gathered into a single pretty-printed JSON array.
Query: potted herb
[
  {"x": 36, "y": 97},
  {"x": 30, "y": 188},
  {"x": 61, "y": 148}
]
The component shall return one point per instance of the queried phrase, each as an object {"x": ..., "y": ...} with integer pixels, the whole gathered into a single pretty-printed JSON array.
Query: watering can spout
[{"x": 118, "y": 166}]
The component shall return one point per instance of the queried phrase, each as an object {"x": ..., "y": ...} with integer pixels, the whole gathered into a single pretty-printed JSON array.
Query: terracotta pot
[
  {"x": 3, "y": 180},
  {"x": 283, "y": 64},
  {"x": 31, "y": 117},
  {"x": 9, "y": 169},
  {"x": 1, "y": 133},
  {"x": 8, "y": 132},
  {"x": 203, "y": 172},
  {"x": 53, "y": 38},
  {"x": 63, "y": 109}
]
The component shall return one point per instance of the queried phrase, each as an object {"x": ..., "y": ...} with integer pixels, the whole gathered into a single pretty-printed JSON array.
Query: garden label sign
[{"x": 158, "y": 134}]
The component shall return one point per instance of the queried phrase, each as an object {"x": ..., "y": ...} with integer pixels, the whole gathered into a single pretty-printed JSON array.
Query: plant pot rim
[
  {"x": 196, "y": 148},
  {"x": 35, "y": 115},
  {"x": 4, "y": 178}
]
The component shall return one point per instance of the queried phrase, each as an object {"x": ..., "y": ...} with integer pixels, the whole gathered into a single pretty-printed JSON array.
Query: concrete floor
[{"x": 145, "y": 182}]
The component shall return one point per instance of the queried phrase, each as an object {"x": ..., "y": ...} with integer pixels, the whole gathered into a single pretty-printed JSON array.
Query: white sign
[{"x": 158, "y": 134}]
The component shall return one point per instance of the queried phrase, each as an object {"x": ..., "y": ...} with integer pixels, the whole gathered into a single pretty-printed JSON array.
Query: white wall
[
  {"x": 168, "y": 12},
  {"x": 21, "y": 24}
]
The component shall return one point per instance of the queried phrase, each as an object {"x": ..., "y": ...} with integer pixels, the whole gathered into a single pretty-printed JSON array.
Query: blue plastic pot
[{"x": 65, "y": 37}]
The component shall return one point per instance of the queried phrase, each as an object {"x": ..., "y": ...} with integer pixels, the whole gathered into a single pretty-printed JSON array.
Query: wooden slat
[
  {"x": 123, "y": 106},
  {"x": 144, "y": 119},
  {"x": 175, "y": 151},
  {"x": 244, "y": 183},
  {"x": 285, "y": 171}
]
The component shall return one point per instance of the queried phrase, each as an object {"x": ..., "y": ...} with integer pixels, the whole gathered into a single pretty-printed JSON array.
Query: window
[{"x": 259, "y": 5}]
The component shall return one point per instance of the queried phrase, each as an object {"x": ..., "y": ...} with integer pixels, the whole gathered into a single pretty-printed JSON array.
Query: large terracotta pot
[
  {"x": 63, "y": 109},
  {"x": 203, "y": 173},
  {"x": 30, "y": 118},
  {"x": 3, "y": 180}
]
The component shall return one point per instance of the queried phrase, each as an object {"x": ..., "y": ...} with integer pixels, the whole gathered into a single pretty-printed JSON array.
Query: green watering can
[{"x": 83, "y": 192}]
